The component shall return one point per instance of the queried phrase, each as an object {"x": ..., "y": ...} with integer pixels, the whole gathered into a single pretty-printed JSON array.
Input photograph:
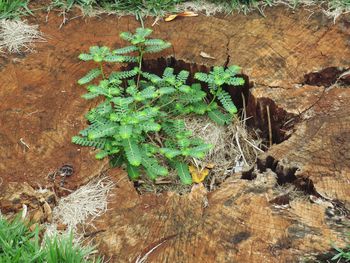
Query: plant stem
[
  {"x": 101, "y": 67},
  {"x": 140, "y": 66}
]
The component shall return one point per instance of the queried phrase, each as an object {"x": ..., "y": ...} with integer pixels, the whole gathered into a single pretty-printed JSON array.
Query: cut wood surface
[{"x": 255, "y": 220}]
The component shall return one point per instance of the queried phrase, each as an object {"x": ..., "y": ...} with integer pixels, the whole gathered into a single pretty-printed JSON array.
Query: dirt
[{"x": 41, "y": 110}]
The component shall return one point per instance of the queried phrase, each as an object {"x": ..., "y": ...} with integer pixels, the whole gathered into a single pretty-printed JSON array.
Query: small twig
[
  {"x": 23, "y": 142},
  {"x": 244, "y": 113},
  {"x": 240, "y": 149},
  {"x": 254, "y": 146},
  {"x": 145, "y": 256},
  {"x": 269, "y": 124},
  {"x": 156, "y": 21}
]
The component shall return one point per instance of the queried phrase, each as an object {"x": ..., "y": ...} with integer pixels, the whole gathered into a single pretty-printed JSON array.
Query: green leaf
[
  {"x": 89, "y": 96},
  {"x": 92, "y": 74},
  {"x": 219, "y": 117},
  {"x": 169, "y": 152},
  {"x": 183, "y": 173},
  {"x": 154, "y": 42},
  {"x": 166, "y": 90},
  {"x": 201, "y": 76},
  {"x": 235, "y": 81},
  {"x": 150, "y": 126},
  {"x": 126, "y": 36},
  {"x": 153, "y": 168},
  {"x": 155, "y": 49},
  {"x": 226, "y": 101},
  {"x": 132, "y": 151},
  {"x": 125, "y": 50},
  {"x": 83, "y": 141},
  {"x": 199, "y": 151},
  {"x": 125, "y": 131},
  {"x": 103, "y": 131},
  {"x": 143, "y": 32},
  {"x": 233, "y": 70},
  {"x": 133, "y": 171},
  {"x": 101, "y": 154},
  {"x": 85, "y": 57},
  {"x": 114, "y": 58},
  {"x": 185, "y": 88}
]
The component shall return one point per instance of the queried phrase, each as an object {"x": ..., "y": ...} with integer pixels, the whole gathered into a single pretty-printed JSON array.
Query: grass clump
[
  {"x": 148, "y": 7},
  {"x": 343, "y": 255},
  {"x": 10, "y": 9},
  {"x": 19, "y": 244}
]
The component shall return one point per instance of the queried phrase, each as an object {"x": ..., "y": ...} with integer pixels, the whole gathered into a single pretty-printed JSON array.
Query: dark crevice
[
  {"x": 286, "y": 174},
  {"x": 327, "y": 77},
  {"x": 282, "y": 122}
]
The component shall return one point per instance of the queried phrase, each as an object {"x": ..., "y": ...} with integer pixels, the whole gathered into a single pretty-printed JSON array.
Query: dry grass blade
[
  {"x": 88, "y": 202},
  {"x": 235, "y": 147},
  {"x": 17, "y": 36}
]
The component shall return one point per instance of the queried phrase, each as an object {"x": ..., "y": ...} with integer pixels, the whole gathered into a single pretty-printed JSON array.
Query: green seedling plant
[
  {"x": 19, "y": 244},
  {"x": 140, "y": 122}
]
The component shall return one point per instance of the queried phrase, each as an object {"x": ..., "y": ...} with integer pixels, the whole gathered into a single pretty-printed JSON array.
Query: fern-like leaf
[
  {"x": 133, "y": 171},
  {"x": 101, "y": 154},
  {"x": 151, "y": 77},
  {"x": 150, "y": 126},
  {"x": 125, "y": 50},
  {"x": 114, "y": 58},
  {"x": 183, "y": 76},
  {"x": 132, "y": 151},
  {"x": 201, "y": 76},
  {"x": 235, "y": 81},
  {"x": 155, "y": 49},
  {"x": 183, "y": 173},
  {"x": 154, "y": 42},
  {"x": 101, "y": 131},
  {"x": 85, "y": 57},
  {"x": 226, "y": 101},
  {"x": 219, "y": 117},
  {"x": 143, "y": 32},
  {"x": 166, "y": 90},
  {"x": 123, "y": 74},
  {"x": 153, "y": 168},
  {"x": 126, "y": 36},
  {"x": 92, "y": 74},
  {"x": 83, "y": 141},
  {"x": 233, "y": 70},
  {"x": 89, "y": 95},
  {"x": 170, "y": 152},
  {"x": 125, "y": 131}
]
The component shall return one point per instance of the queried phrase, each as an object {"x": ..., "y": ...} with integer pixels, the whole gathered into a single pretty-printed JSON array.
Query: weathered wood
[{"x": 243, "y": 221}]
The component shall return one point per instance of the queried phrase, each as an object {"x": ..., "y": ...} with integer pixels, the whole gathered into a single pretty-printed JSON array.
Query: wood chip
[
  {"x": 206, "y": 55},
  {"x": 48, "y": 212}
]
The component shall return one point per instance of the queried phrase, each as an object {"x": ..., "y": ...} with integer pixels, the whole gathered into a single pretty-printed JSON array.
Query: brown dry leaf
[
  {"x": 198, "y": 176},
  {"x": 184, "y": 14},
  {"x": 206, "y": 55},
  {"x": 47, "y": 212}
]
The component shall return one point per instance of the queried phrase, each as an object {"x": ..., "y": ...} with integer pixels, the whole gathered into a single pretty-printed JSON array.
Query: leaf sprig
[{"x": 140, "y": 122}]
